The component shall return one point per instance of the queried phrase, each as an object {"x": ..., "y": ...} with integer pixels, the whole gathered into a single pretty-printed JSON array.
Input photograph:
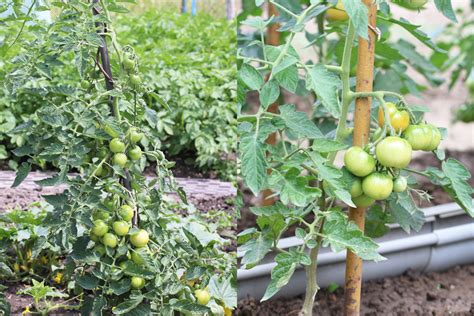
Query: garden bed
[{"x": 436, "y": 293}]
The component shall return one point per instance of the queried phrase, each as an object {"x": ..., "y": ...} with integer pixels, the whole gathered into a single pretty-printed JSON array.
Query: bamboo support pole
[{"x": 365, "y": 70}]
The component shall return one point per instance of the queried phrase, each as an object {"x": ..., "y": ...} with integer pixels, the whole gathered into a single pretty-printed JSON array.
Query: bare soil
[{"x": 436, "y": 294}]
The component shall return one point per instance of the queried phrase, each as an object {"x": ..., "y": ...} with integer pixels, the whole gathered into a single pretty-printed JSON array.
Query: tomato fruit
[
  {"x": 126, "y": 212},
  {"x": 134, "y": 135},
  {"x": 377, "y": 186},
  {"x": 117, "y": 146},
  {"x": 363, "y": 201},
  {"x": 135, "y": 153},
  {"x": 356, "y": 188},
  {"x": 100, "y": 250},
  {"x": 100, "y": 228},
  {"x": 337, "y": 13},
  {"x": 137, "y": 282},
  {"x": 358, "y": 161},
  {"x": 393, "y": 152},
  {"x": 121, "y": 228},
  {"x": 99, "y": 171},
  {"x": 416, "y": 4},
  {"x": 135, "y": 79},
  {"x": 400, "y": 184},
  {"x": 110, "y": 240},
  {"x": 103, "y": 215},
  {"x": 128, "y": 63},
  {"x": 203, "y": 297},
  {"x": 399, "y": 119},
  {"x": 140, "y": 238},
  {"x": 85, "y": 84},
  {"x": 120, "y": 159},
  {"x": 435, "y": 138}
]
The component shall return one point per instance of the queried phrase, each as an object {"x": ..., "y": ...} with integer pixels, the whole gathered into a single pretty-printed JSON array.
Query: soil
[
  {"x": 420, "y": 163},
  {"x": 436, "y": 293}
]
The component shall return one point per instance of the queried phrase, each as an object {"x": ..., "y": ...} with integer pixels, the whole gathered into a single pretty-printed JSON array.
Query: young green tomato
[
  {"x": 100, "y": 228},
  {"x": 203, "y": 297},
  {"x": 134, "y": 135},
  {"x": 85, "y": 84},
  {"x": 103, "y": 215},
  {"x": 135, "y": 80},
  {"x": 416, "y": 4},
  {"x": 393, "y": 152},
  {"x": 117, "y": 146},
  {"x": 135, "y": 153},
  {"x": 126, "y": 212},
  {"x": 128, "y": 63},
  {"x": 99, "y": 171},
  {"x": 419, "y": 136},
  {"x": 377, "y": 186},
  {"x": 358, "y": 161},
  {"x": 400, "y": 184},
  {"x": 356, "y": 188},
  {"x": 137, "y": 282},
  {"x": 110, "y": 240},
  {"x": 363, "y": 201},
  {"x": 120, "y": 159},
  {"x": 121, "y": 228},
  {"x": 140, "y": 239}
]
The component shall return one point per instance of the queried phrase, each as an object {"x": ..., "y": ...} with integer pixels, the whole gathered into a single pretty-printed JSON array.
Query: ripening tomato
[
  {"x": 400, "y": 184},
  {"x": 137, "y": 282},
  {"x": 399, "y": 119},
  {"x": 363, "y": 201},
  {"x": 377, "y": 186},
  {"x": 337, "y": 13},
  {"x": 140, "y": 239},
  {"x": 117, "y": 146},
  {"x": 135, "y": 153},
  {"x": 121, "y": 228},
  {"x": 203, "y": 297},
  {"x": 110, "y": 240},
  {"x": 100, "y": 228},
  {"x": 393, "y": 152},
  {"x": 120, "y": 159},
  {"x": 126, "y": 212},
  {"x": 358, "y": 161},
  {"x": 356, "y": 188}
]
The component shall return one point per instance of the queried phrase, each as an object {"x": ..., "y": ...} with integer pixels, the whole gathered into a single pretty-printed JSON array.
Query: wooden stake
[{"x": 365, "y": 77}]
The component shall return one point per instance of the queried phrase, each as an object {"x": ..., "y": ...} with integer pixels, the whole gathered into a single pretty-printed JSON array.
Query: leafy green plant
[
  {"x": 126, "y": 250},
  {"x": 299, "y": 169}
]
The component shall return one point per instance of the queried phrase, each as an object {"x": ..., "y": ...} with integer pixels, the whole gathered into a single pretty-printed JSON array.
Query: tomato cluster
[
  {"x": 377, "y": 172},
  {"x": 130, "y": 66}
]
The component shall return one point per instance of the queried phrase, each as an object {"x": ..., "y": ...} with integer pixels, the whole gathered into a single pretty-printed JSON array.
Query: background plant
[
  {"x": 144, "y": 265},
  {"x": 299, "y": 169}
]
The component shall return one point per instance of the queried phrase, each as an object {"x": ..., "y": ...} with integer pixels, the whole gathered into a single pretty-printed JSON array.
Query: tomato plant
[
  {"x": 124, "y": 247},
  {"x": 299, "y": 169}
]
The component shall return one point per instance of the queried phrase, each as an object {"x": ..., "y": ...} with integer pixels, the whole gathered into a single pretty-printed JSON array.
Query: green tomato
[
  {"x": 117, "y": 146},
  {"x": 100, "y": 228},
  {"x": 363, "y": 201},
  {"x": 85, "y": 84},
  {"x": 102, "y": 215},
  {"x": 128, "y": 63},
  {"x": 393, "y": 152},
  {"x": 135, "y": 80},
  {"x": 356, "y": 188},
  {"x": 120, "y": 159},
  {"x": 134, "y": 135},
  {"x": 135, "y": 153},
  {"x": 126, "y": 212},
  {"x": 102, "y": 153},
  {"x": 99, "y": 171},
  {"x": 110, "y": 240},
  {"x": 416, "y": 4},
  {"x": 435, "y": 138},
  {"x": 121, "y": 228},
  {"x": 419, "y": 136},
  {"x": 137, "y": 282},
  {"x": 358, "y": 161},
  {"x": 377, "y": 186},
  {"x": 400, "y": 184},
  {"x": 202, "y": 296},
  {"x": 140, "y": 239},
  {"x": 100, "y": 249}
]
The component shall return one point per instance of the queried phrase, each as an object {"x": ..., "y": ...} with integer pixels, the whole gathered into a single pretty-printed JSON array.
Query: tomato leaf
[
  {"x": 21, "y": 174},
  {"x": 269, "y": 93},
  {"x": 251, "y": 77},
  {"x": 358, "y": 14},
  {"x": 299, "y": 122},
  {"x": 255, "y": 250},
  {"x": 325, "y": 84},
  {"x": 445, "y": 7},
  {"x": 340, "y": 234},
  {"x": 223, "y": 290},
  {"x": 405, "y": 212},
  {"x": 253, "y": 164},
  {"x": 128, "y": 305},
  {"x": 458, "y": 189}
]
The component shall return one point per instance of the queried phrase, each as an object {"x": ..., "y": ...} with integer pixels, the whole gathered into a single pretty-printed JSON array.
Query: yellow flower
[
  {"x": 26, "y": 311},
  {"x": 58, "y": 277}
]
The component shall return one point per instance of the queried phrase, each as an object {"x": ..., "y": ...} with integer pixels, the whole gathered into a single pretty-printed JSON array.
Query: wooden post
[
  {"x": 273, "y": 38},
  {"x": 365, "y": 71}
]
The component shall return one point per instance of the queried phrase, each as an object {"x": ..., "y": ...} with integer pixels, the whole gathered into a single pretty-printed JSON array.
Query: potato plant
[
  {"x": 126, "y": 250},
  {"x": 300, "y": 170}
]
